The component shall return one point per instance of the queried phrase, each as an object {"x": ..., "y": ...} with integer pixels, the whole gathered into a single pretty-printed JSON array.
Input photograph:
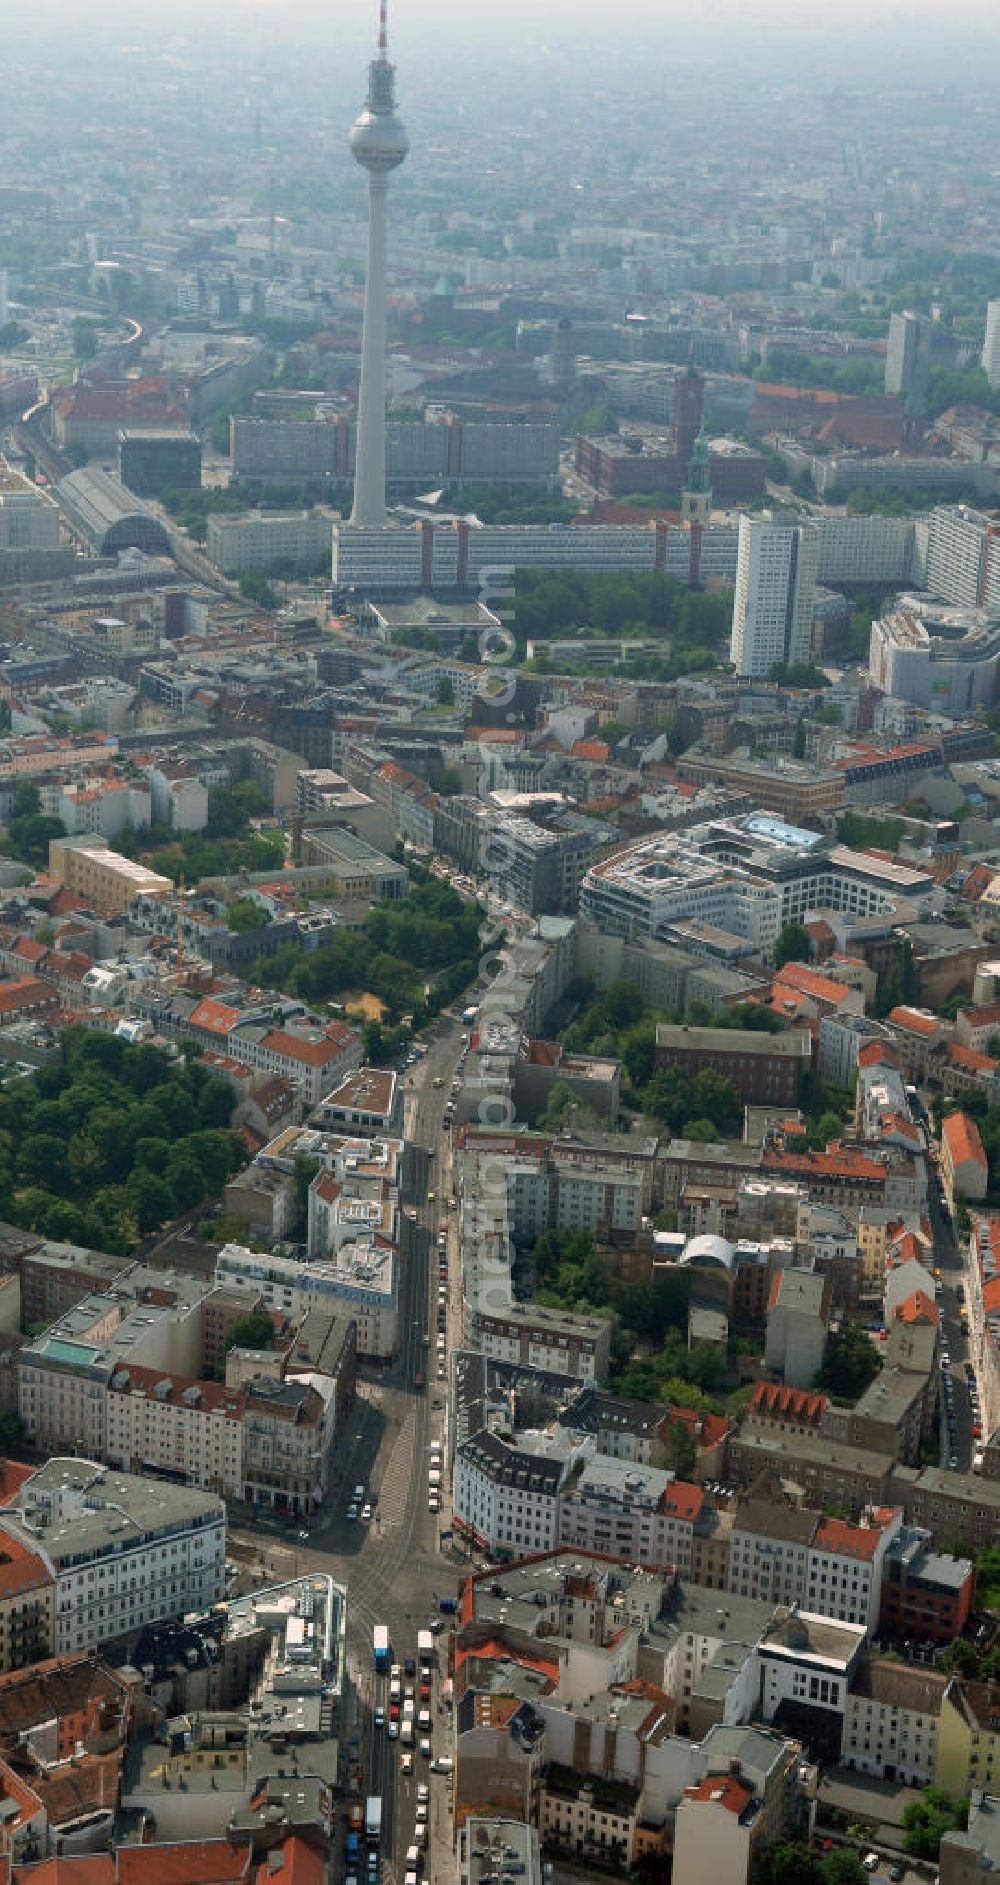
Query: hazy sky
[{"x": 887, "y": 42}]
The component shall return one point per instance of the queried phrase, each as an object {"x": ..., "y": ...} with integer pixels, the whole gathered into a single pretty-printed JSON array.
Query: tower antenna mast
[{"x": 379, "y": 144}]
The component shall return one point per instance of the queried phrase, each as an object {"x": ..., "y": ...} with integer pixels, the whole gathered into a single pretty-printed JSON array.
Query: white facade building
[
  {"x": 776, "y": 575},
  {"x": 192, "y": 1427},
  {"x": 748, "y": 875},
  {"x": 107, "y": 807},
  {"x": 238, "y": 544},
  {"x": 506, "y": 1498},
  {"x": 962, "y": 558},
  {"x": 361, "y": 1279},
  {"x": 945, "y": 658},
  {"x": 991, "y": 344},
  {"x": 124, "y": 1551}
]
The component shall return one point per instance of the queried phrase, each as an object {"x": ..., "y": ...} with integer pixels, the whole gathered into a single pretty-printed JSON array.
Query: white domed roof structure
[{"x": 710, "y": 1251}]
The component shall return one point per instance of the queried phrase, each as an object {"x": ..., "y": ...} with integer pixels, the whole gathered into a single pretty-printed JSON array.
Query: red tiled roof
[
  {"x": 913, "y": 1021},
  {"x": 683, "y": 1500},
  {"x": 877, "y": 1054},
  {"x": 918, "y": 1308},
  {"x": 26, "y": 949},
  {"x": 316, "y": 1052},
  {"x": 908, "y": 1249},
  {"x": 970, "y": 1059},
  {"x": 961, "y": 1136},
  {"x": 494, "y": 1650},
  {"x": 213, "y": 1396},
  {"x": 706, "y": 1429},
  {"x": 796, "y": 975},
  {"x": 721, "y": 1790},
  {"x": 849, "y": 1541},
  {"x": 214, "y": 1017},
  {"x": 773, "y": 1398},
  {"x": 21, "y": 1569},
  {"x": 838, "y": 1164},
  {"x": 13, "y": 1474}
]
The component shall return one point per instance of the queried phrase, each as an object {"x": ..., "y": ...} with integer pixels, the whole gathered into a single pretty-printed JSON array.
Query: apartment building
[
  {"x": 926, "y": 1593},
  {"x": 969, "y": 1738},
  {"x": 55, "y": 1277},
  {"x": 640, "y": 1513},
  {"x": 720, "y": 1831},
  {"x": 289, "y": 1429},
  {"x": 552, "y": 1340},
  {"x": 891, "y": 1721},
  {"x": 360, "y": 1280},
  {"x": 27, "y": 1603},
  {"x": 828, "y": 1471},
  {"x": 846, "y": 1569},
  {"x": 105, "y": 879},
  {"x": 505, "y": 1495},
  {"x": 175, "y": 1424},
  {"x": 764, "y": 1068},
  {"x": 776, "y": 573},
  {"x": 104, "y": 808},
  {"x": 302, "y": 540},
  {"x": 798, "y": 1315},
  {"x": 123, "y": 1551},
  {"x": 769, "y": 1551},
  {"x": 963, "y": 1160}
]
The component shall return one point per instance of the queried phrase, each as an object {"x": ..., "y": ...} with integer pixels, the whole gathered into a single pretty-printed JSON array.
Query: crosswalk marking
[{"x": 397, "y": 1477}]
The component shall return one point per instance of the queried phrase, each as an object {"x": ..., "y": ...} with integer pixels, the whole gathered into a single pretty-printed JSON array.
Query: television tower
[{"x": 379, "y": 144}]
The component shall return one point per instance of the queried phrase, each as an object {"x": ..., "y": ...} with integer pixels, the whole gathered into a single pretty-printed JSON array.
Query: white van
[
  {"x": 434, "y": 1479},
  {"x": 413, "y": 1858}
]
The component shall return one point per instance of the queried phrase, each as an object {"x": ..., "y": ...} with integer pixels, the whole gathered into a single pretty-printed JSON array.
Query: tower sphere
[{"x": 379, "y": 142}]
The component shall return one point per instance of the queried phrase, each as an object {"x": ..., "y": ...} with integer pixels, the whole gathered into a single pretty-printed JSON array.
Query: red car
[
  {"x": 419, "y": 1381},
  {"x": 425, "y": 1691},
  {"x": 393, "y": 1711}
]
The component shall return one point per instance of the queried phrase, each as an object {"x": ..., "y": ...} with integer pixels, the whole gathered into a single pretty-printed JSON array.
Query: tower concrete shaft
[
  {"x": 369, "y": 469},
  {"x": 379, "y": 144}
]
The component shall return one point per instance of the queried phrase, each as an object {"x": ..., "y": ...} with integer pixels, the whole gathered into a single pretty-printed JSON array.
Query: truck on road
[
  {"x": 380, "y": 1649},
  {"x": 373, "y": 1816}
]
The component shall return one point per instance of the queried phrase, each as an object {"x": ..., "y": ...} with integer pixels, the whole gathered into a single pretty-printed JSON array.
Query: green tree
[
  {"x": 850, "y": 1362},
  {"x": 699, "y": 1131},
  {"x": 682, "y": 1454},
  {"x": 150, "y": 1201},
  {"x": 446, "y": 691},
  {"x": 988, "y": 1578},
  {"x": 926, "y": 1821},
  {"x": 43, "y": 1162},
  {"x": 960, "y": 1658},
  {"x": 842, "y": 1867},
  {"x": 256, "y": 588},
  {"x": 792, "y": 945},
  {"x": 253, "y": 1331},
  {"x": 86, "y": 337},
  {"x": 790, "y": 1863},
  {"x": 244, "y": 916},
  {"x": 799, "y": 740}
]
